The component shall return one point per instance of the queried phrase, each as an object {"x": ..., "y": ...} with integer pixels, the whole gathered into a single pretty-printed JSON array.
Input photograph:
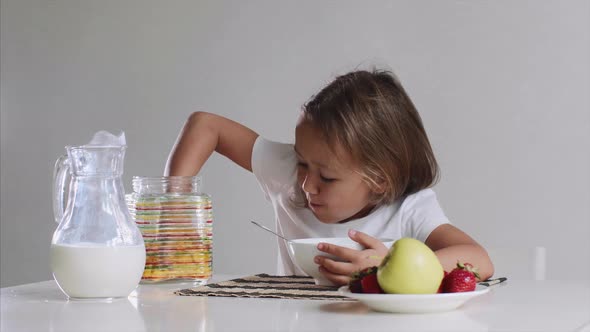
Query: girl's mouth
[{"x": 314, "y": 205}]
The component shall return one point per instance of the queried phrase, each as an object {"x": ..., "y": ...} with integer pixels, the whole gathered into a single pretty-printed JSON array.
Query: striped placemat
[
  {"x": 279, "y": 287},
  {"x": 268, "y": 286}
]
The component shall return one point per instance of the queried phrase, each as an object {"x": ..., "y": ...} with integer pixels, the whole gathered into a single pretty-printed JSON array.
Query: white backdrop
[{"x": 503, "y": 89}]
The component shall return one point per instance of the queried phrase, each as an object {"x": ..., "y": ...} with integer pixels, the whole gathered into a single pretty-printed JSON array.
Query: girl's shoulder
[
  {"x": 274, "y": 164},
  {"x": 420, "y": 213},
  {"x": 419, "y": 198},
  {"x": 422, "y": 204},
  {"x": 268, "y": 150}
]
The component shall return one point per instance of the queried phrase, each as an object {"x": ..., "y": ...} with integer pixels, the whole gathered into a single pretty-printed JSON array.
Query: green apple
[{"x": 410, "y": 267}]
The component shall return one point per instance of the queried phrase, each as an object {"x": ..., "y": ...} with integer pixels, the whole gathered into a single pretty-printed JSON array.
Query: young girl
[{"x": 361, "y": 166}]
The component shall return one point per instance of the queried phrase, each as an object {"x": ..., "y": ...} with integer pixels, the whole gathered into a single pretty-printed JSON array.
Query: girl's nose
[{"x": 309, "y": 186}]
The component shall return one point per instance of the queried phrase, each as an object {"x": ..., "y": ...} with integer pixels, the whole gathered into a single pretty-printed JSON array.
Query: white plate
[{"x": 414, "y": 303}]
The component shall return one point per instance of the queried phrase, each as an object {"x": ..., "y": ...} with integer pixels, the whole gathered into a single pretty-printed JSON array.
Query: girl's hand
[{"x": 353, "y": 260}]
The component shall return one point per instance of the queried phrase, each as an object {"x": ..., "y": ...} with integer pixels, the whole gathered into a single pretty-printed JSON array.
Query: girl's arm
[
  {"x": 204, "y": 133},
  {"x": 450, "y": 245}
]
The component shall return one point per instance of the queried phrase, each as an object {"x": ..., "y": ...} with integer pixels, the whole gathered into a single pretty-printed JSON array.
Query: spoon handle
[{"x": 269, "y": 230}]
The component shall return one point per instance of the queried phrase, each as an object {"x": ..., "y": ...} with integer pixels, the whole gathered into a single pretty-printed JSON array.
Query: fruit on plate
[
  {"x": 365, "y": 281},
  {"x": 410, "y": 267},
  {"x": 463, "y": 278},
  {"x": 440, "y": 288}
]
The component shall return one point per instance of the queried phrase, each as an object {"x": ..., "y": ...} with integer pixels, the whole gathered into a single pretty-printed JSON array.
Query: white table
[{"x": 513, "y": 306}]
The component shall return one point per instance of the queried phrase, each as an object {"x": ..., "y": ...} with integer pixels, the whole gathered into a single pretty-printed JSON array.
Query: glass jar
[{"x": 176, "y": 221}]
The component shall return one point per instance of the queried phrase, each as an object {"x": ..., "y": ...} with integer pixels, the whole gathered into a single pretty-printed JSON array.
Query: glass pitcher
[{"x": 97, "y": 251}]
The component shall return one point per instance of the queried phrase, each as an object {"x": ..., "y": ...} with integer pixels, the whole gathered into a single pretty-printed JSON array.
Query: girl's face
[{"x": 335, "y": 192}]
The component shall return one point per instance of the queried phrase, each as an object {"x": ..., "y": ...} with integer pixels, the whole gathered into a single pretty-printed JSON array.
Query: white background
[{"x": 503, "y": 88}]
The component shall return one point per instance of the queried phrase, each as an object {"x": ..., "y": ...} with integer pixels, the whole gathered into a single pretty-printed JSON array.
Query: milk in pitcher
[{"x": 87, "y": 270}]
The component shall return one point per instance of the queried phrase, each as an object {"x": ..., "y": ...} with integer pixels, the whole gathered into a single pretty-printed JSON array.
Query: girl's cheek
[{"x": 327, "y": 193}]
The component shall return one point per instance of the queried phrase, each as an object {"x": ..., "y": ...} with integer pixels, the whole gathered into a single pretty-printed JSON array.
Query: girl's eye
[
  {"x": 300, "y": 164},
  {"x": 325, "y": 179}
]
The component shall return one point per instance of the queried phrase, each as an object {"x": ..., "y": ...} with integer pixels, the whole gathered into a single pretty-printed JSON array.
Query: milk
[{"x": 97, "y": 271}]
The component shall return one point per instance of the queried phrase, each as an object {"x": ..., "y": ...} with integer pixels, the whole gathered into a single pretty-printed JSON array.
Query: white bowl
[{"x": 303, "y": 251}]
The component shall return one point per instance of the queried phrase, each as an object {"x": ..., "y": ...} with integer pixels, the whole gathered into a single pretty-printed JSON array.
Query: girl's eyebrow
[
  {"x": 318, "y": 164},
  {"x": 297, "y": 152}
]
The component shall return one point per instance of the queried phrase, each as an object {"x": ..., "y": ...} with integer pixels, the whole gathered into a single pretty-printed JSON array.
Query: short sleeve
[
  {"x": 274, "y": 165},
  {"x": 421, "y": 214}
]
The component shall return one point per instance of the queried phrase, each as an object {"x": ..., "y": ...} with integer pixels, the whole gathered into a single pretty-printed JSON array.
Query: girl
[{"x": 361, "y": 166}]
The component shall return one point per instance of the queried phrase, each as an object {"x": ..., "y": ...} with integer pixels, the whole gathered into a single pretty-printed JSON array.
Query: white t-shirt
[{"x": 275, "y": 166}]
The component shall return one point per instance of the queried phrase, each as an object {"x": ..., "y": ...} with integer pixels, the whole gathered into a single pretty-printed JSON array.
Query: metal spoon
[{"x": 269, "y": 230}]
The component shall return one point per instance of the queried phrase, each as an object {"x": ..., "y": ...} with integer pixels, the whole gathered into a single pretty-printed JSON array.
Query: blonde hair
[{"x": 369, "y": 114}]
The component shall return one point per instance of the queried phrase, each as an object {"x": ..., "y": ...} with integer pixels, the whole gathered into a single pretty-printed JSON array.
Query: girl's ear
[
  {"x": 379, "y": 186},
  {"x": 379, "y": 189},
  {"x": 377, "y": 192}
]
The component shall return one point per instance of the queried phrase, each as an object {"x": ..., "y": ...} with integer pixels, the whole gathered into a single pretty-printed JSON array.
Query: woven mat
[
  {"x": 267, "y": 286},
  {"x": 279, "y": 287}
]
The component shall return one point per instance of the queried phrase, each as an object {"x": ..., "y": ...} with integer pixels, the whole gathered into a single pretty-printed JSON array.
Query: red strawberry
[
  {"x": 365, "y": 281},
  {"x": 440, "y": 288},
  {"x": 462, "y": 279},
  {"x": 370, "y": 284},
  {"x": 355, "y": 285},
  {"x": 355, "y": 281}
]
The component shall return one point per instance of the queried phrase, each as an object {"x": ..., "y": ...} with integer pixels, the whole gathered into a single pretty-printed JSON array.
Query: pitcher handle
[{"x": 60, "y": 173}]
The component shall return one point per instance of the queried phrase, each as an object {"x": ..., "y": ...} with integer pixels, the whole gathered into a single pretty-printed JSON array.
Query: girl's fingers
[
  {"x": 335, "y": 267},
  {"x": 345, "y": 254},
  {"x": 337, "y": 279},
  {"x": 349, "y": 260},
  {"x": 365, "y": 240}
]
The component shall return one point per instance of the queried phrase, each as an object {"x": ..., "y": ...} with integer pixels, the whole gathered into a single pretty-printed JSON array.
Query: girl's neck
[{"x": 361, "y": 214}]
